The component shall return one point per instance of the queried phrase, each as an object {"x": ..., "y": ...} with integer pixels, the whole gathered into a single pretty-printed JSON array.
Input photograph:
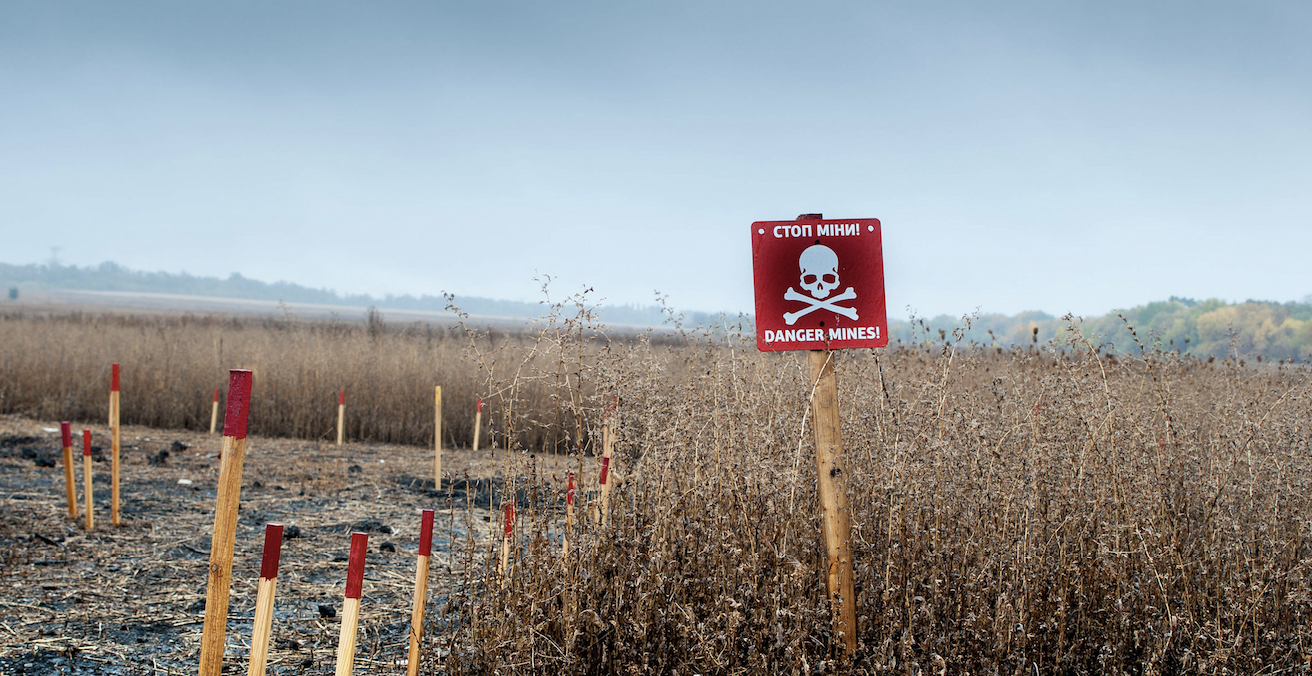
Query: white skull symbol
[{"x": 819, "y": 266}]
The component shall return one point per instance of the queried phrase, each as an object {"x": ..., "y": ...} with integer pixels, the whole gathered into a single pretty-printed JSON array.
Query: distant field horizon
[{"x": 1203, "y": 328}]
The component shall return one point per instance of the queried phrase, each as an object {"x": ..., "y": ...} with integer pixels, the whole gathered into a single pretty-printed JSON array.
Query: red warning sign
[{"x": 819, "y": 284}]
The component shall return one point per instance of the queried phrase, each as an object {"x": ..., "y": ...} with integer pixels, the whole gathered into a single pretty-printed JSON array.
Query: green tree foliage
[{"x": 1210, "y": 328}]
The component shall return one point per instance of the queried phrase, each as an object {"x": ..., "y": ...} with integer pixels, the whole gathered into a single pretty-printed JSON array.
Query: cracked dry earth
[{"x": 129, "y": 599}]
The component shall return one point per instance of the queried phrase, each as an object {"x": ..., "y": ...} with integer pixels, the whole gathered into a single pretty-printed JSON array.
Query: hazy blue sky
[{"x": 1049, "y": 155}]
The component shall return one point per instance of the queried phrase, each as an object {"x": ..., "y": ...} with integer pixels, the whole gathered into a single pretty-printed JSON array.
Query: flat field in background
[{"x": 1051, "y": 509}]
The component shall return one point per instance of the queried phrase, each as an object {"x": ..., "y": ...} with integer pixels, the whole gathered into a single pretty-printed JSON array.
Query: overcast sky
[{"x": 1059, "y": 156}]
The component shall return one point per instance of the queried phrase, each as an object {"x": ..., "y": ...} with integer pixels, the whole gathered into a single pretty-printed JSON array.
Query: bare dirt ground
[{"x": 129, "y": 599}]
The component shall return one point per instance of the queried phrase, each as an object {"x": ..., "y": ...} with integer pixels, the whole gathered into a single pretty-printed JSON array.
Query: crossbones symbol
[
  {"x": 791, "y": 318},
  {"x": 819, "y": 267}
]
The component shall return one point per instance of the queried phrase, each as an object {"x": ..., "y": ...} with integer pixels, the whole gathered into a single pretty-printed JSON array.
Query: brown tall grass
[
  {"x": 1046, "y": 510},
  {"x": 57, "y": 367}
]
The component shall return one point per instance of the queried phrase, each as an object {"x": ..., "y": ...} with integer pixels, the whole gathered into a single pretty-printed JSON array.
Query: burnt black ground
[{"x": 130, "y": 599}]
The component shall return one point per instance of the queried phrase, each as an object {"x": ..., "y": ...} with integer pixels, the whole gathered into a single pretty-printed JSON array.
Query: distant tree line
[{"x": 1209, "y": 328}]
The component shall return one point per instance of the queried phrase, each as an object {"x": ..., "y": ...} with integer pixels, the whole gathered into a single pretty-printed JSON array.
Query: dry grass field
[{"x": 1044, "y": 509}]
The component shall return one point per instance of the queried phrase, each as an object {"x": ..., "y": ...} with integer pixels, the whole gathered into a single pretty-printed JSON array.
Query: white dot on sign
[
  {"x": 760, "y": 231},
  {"x": 872, "y": 228}
]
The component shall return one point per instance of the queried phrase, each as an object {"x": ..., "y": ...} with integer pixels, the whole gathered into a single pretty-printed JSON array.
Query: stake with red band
[
  {"x": 263, "y": 625},
  {"x": 351, "y": 605},
  {"x": 114, "y": 444},
  {"x": 70, "y": 485},
  {"x": 505, "y": 541},
  {"x": 225, "y": 522},
  {"x": 214, "y": 411},
  {"x": 421, "y": 591},
  {"x": 86, "y": 477}
]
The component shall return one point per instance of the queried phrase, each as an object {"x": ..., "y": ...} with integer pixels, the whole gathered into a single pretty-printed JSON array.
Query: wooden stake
[
  {"x": 421, "y": 588},
  {"x": 437, "y": 437},
  {"x": 351, "y": 605},
  {"x": 478, "y": 422},
  {"x": 569, "y": 516},
  {"x": 604, "y": 517},
  {"x": 113, "y": 444},
  {"x": 66, "y": 431},
  {"x": 505, "y": 541},
  {"x": 86, "y": 478},
  {"x": 225, "y": 522},
  {"x": 835, "y": 518},
  {"x": 607, "y": 441},
  {"x": 214, "y": 412},
  {"x": 264, "y": 599},
  {"x": 341, "y": 415}
]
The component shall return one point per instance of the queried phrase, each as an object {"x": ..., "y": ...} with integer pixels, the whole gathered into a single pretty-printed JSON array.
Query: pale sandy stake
[
  {"x": 351, "y": 604},
  {"x": 607, "y": 448},
  {"x": 478, "y": 422},
  {"x": 214, "y": 412},
  {"x": 341, "y": 416},
  {"x": 70, "y": 484},
  {"x": 437, "y": 437},
  {"x": 505, "y": 542},
  {"x": 263, "y": 624},
  {"x": 836, "y": 522},
  {"x": 225, "y": 522},
  {"x": 421, "y": 592},
  {"x": 86, "y": 478},
  {"x": 600, "y": 515},
  {"x": 569, "y": 516},
  {"x": 113, "y": 445}
]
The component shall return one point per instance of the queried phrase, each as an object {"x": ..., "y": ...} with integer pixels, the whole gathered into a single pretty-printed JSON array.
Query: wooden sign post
[
  {"x": 86, "y": 478},
  {"x": 836, "y": 527},
  {"x": 225, "y": 522},
  {"x": 214, "y": 411},
  {"x": 351, "y": 604},
  {"x": 263, "y": 625},
  {"x": 70, "y": 487},
  {"x": 437, "y": 437},
  {"x": 421, "y": 591},
  {"x": 341, "y": 415},
  {"x": 839, "y": 265},
  {"x": 113, "y": 444},
  {"x": 478, "y": 422}
]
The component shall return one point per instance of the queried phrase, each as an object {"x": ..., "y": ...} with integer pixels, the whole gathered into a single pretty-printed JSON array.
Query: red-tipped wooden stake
[
  {"x": 351, "y": 606},
  {"x": 264, "y": 599},
  {"x": 225, "y": 522},
  {"x": 569, "y": 515},
  {"x": 341, "y": 415},
  {"x": 437, "y": 437},
  {"x": 478, "y": 422},
  {"x": 505, "y": 541},
  {"x": 605, "y": 491},
  {"x": 86, "y": 477},
  {"x": 421, "y": 591},
  {"x": 70, "y": 487},
  {"x": 113, "y": 444},
  {"x": 214, "y": 412},
  {"x": 607, "y": 447}
]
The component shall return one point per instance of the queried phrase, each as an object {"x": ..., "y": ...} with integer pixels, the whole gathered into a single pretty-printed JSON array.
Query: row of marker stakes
[
  {"x": 263, "y": 620},
  {"x": 235, "y": 422}
]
